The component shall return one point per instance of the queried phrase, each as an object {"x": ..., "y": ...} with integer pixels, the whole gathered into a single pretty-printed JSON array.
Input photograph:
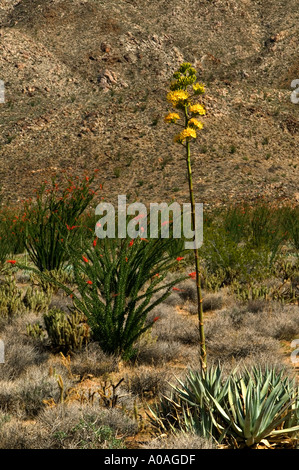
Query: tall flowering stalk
[{"x": 184, "y": 95}]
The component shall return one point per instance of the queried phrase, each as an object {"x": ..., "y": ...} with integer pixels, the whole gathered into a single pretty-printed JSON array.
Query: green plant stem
[{"x": 202, "y": 342}]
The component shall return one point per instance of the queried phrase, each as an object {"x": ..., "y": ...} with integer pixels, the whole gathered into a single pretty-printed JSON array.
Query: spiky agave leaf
[{"x": 255, "y": 409}]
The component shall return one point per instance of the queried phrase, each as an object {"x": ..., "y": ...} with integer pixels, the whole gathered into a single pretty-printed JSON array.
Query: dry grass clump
[
  {"x": 172, "y": 327},
  {"x": 148, "y": 382},
  {"x": 37, "y": 386},
  {"x": 158, "y": 353},
  {"x": 278, "y": 321},
  {"x": 173, "y": 300},
  {"x": 21, "y": 351},
  {"x": 17, "y": 434},
  {"x": 93, "y": 361},
  {"x": 187, "y": 291},
  {"x": 271, "y": 320},
  {"x": 230, "y": 335},
  {"x": 9, "y": 402},
  {"x": 256, "y": 305},
  {"x": 212, "y": 302},
  {"x": 77, "y": 426},
  {"x": 26, "y": 396},
  {"x": 71, "y": 426},
  {"x": 180, "y": 441}
]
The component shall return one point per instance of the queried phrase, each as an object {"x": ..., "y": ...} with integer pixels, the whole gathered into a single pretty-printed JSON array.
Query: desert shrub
[
  {"x": 212, "y": 302},
  {"x": 20, "y": 351},
  {"x": 116, "y": 280},
  {"x": 172, "y": 327},
  {"x": 51, "y": 222},
  {"x": 27, "y": 395},
  {"x": 147, "y": 382},
  {"x": 263, "y": 228},
  {"x": 246, "y": 244},
  {"x": 10, "y": 234},
  {"x": 158, "y": 352},
  {"x": 66, "y": 332},
  {"x": 229, "y": 260},
  {"x": 187, "y": 291},
  {"x": 261, "y": 224},
  {"x": 278, "y": 322},
  {"x": 181, "y": 440},
  {"x": 256, "y": 306},
  {"x": 231, "y": 334},
  {"x": 240, "y": 344},
  {"x": 34, "y": 389},
  {"x": 9, "y": 401},
  {"x": 16, "y": 434},
  {"x": 75, "y": 426},
  {"x": 235, "y": 222},
  {"x": 174, "y": 299},
  {"x": 91, "y": 360},
  {"x": 290, "y": 223},
  {"x": 11, "y": 297},
  {"x": 71, "y": 426}
]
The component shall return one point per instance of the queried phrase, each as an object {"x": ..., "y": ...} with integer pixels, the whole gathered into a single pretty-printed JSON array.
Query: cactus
[
  {"x": 36, "y": 300},
  {"x": 35, "y": 330},
  {"x": 66, "y": 332},
  {"x": 10, "y": 298},
  {"x": 50, "y": 281}
]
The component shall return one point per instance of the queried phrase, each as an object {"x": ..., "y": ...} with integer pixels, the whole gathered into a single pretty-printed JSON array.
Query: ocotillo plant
[
  {"x": 184, "y": 96},
  {"x": 117, "y": 280},
  {"x": 52, "y": 221}
]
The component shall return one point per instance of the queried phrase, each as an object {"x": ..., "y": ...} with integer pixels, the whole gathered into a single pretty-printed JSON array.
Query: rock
[
  {"x": 244, "y": 74},
  {"x": 105, "y": 47},
  {"x": 106, "y": 79},
  {"x": 131, "y": 58}
]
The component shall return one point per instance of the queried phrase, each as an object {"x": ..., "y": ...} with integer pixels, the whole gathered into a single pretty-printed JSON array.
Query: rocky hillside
[{"x": 86, "y": 84}]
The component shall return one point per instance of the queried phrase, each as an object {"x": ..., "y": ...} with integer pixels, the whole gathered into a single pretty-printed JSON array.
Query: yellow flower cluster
[
  {"x": 195, "y": 123},
  {"x": 197, "y": 109},
  {"x": 198, "y": 88},
  {"x": 177, "y": 97},
  {"x": 185, "y": 134},
  {"x": 172, "y": 117}
]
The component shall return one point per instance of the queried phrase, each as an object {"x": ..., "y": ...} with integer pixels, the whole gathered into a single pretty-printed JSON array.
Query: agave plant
[
  {"x": 260, "y": 405},
  {"x": 190, "y": 408},
  {"x": 245, "y": 408},
  {"x": 197, "y": 392}
]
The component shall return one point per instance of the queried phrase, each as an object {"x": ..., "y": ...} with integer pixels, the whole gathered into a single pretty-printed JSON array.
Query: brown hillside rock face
[{"x": 64, "y": 60}]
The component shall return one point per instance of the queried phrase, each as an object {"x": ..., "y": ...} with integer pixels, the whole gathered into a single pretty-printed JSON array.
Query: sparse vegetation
[
  {"x": 250, "y": 303},
  {"x": 104, "y": 346}
]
